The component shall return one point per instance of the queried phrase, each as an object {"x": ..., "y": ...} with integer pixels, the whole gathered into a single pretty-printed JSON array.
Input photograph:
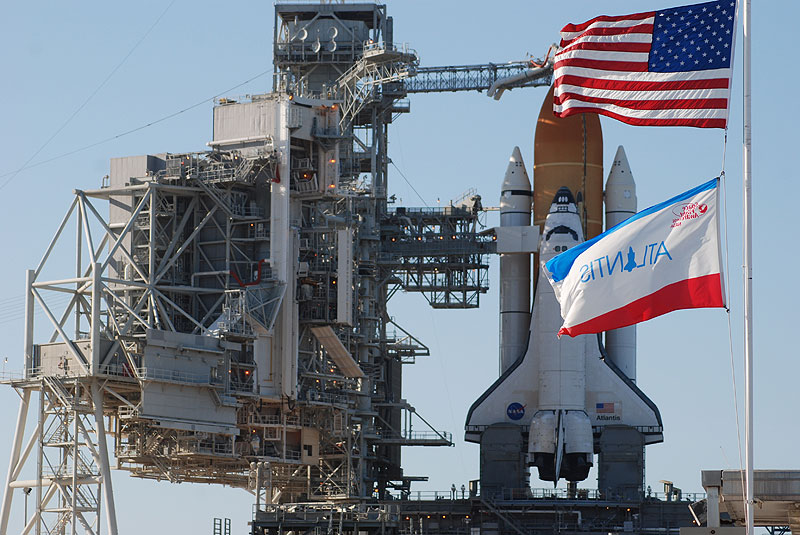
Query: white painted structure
[
  {"x": 563, "y": 389},
  {"x": 515, "y": 265},
  {"x": 620, "y": 201}
]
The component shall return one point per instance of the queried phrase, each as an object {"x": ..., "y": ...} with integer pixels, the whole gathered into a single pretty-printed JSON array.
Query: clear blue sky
[{"x": 56, "y": 55}]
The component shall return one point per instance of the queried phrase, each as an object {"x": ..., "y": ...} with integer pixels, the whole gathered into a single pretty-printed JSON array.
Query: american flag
[
  {"x": 604, "y": 408},
  {"x": 661, "y": 68}
]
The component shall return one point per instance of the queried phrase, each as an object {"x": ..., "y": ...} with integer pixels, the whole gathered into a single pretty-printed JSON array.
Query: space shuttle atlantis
[{"x": 563, "y": 393}]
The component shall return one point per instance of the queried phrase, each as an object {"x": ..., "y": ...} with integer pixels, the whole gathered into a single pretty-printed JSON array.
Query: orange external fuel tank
[{"x": 568, "y": 152}]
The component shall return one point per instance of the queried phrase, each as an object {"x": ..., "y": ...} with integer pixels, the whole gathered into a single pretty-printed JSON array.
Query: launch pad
[
  {"x": 228, "y": 319},
  {"x": 551, "y": 512}
]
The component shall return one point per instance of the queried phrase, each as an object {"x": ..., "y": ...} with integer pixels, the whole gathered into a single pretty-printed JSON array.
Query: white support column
[
  {"x": 99, "y": 492},
  {"x": 15, "y": 456},
  {"x": 97, "y": 286},
  {"x": 282, "y": 249},
  {"x": 40, "y": 501},
  {"x": 151, "y": 255},
  {"x": 78, "y": 263},
  {"x": 712, "y": 511},
  {"x": 30, "y": 276},
  {"x": 105, "y": 464},
  {"x": 75, "y": 457}
]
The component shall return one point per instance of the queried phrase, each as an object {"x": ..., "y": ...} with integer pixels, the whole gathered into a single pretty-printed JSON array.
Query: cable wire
[
  {"x": 410, "y": 185},
  {"x": 728, "y": 313},
  {"x": 9, "y": 315},
  {"x": 132, "y": 130},
  {"x": 444, "y": 376},
  {"x": 89, "y": 98}
]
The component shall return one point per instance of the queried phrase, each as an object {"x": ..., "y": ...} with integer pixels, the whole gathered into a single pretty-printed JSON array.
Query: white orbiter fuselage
[{"x": 563, "y": 390}]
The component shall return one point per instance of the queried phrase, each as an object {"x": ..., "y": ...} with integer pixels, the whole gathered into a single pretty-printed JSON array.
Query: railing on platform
[{"x": 540, "y": 494}]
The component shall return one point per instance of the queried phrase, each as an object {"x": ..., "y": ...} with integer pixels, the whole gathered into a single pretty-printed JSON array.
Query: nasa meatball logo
[
  {"x": 515, "y": 411},
  {"x": 686, "y": 212}
]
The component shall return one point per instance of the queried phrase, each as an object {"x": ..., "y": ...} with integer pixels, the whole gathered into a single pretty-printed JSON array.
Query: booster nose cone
[
  {"x": 516, "y": 177},
  {"x": 620, "y": 194},
  {"x": 515, "y": 193}
]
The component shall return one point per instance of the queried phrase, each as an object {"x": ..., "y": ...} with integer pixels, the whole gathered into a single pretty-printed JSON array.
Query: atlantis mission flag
[
  {"x": 659, "y": 68},
  {"x": 664, "y": 258}
]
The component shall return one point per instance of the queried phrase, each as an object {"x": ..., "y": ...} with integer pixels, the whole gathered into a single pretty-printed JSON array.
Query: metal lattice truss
[
  {"x": 132, "y": 275},
  {"x": 143, "y": 272},
  {"x": 335, "y": 477},
  {"x": 439, "y": 253},
  {"x": 68, "y": 448},
  {"x": 139, "y": 287},
  {"x": 361, "y": 85},
  {"x": 66, "y": 436},
  {"x": 472, "y": 77},
  {"x": 137, "y": 274}
]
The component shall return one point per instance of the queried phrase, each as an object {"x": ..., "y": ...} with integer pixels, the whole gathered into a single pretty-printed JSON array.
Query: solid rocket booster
[
  {"x": 568, "y": 153},
  {"x": 515, "y": 269},
  {"x": 620, "y": 198}
]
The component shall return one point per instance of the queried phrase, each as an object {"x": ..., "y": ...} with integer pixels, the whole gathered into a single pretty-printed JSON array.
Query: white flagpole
[{"x": 748, "y": 273}]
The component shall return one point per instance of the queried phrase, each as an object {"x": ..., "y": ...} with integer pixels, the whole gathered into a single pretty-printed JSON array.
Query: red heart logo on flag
[{"x": 703, "y": 208}]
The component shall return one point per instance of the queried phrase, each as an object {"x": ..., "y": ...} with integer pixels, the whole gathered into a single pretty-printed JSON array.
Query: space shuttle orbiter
[
  {"x": 558, "y": 402},
  {"x": 564, "y": 390}
]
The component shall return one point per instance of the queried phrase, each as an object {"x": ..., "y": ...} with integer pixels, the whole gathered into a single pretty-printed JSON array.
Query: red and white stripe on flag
[
  {"x": 664, "y": 258},
  {"x": 660, "y": 68}
]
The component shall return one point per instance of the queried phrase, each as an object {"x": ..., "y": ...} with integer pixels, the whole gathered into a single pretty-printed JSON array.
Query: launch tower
[{"x": 227, "y": 318}]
